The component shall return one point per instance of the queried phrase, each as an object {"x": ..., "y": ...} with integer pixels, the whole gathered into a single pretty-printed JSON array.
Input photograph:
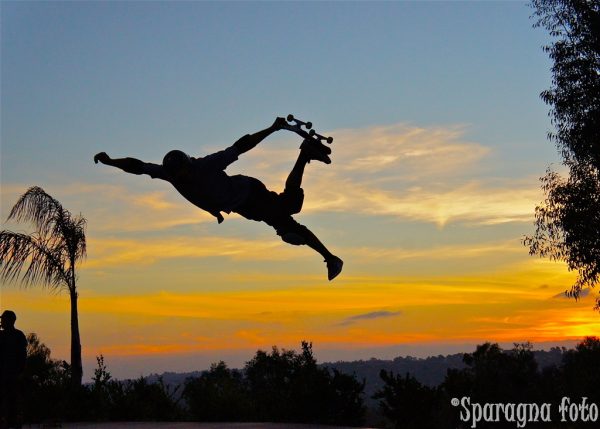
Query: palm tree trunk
[{"x": 76, "y": 364}]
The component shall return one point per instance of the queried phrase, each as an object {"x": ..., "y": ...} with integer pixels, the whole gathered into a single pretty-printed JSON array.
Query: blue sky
[
  {"x": 440, "y": 138},
  {"x": 141, "y": 77}
]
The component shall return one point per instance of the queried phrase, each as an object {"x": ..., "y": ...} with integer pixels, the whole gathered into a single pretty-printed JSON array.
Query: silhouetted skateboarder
[{"x": 204, "y": 183}]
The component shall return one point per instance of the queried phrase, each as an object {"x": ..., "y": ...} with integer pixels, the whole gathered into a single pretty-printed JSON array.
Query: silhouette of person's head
[
  {"x": 8, "y": 319},
  {"x": 177, "y": 164}
]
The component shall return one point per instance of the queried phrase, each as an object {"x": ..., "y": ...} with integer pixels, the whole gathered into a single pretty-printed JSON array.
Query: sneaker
[
  {"x": 334, "y": 267},
  {"x": 322, "y": 147},
  {"x": 316, "y": 150}
]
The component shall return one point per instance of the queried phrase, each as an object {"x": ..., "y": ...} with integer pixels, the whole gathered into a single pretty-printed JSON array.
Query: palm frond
[
  {"x": 32, "y": 260},
  {"x": 54, "y": 224},
  {"x": 36, "y": 206},
  {"x": 79, "y": 238}
]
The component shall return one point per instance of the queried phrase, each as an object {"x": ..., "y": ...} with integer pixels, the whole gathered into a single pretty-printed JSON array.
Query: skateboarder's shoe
[
  {"x": 316, "y": 150},
  {"x": 322, "y": 147},
  {"x": 334, "y": 267}
]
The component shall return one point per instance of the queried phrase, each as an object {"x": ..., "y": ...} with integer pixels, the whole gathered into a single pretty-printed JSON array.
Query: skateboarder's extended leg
[{"x": 298, "y": 235}]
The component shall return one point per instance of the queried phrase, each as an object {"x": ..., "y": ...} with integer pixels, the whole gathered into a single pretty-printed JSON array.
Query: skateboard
[
  {"x": 312, "y": 139},
  {"x": 295, "y": 125}
]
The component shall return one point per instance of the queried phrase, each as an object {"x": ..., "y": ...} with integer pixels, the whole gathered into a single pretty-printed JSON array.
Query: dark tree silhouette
[
  {"x": 48, "y": 256},
  {"x": 282, "y": 386},
  {"x": 315, "y": 394},
  {"x": 568, "y": 221},
  {"x": 141, "y": 400},
  {"x": 217, "y": 395},
  {"x": 290, "y": 386},
  {"x": 45, "y": 383},
  {"x": 492, "y": 375},
  {"x": 406, "y": 402},
  {"x": 581, "y": 370}
]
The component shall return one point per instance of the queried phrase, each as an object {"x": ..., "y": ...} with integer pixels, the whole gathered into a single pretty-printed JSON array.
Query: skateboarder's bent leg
[
  {"x": 308, "y": 151},
  {"x": 276, "y": 210},
  {"x": 294, "y": 233},
  {"x": 294, "y": 180}
]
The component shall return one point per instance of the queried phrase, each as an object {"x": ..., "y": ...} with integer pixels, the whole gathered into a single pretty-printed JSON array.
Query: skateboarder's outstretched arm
[
  {"x": 249, "y": 141},
  {"x": 129, "y": 165}
]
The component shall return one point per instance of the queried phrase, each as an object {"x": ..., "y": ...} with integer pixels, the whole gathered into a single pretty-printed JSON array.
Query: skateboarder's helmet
[{"x": 175, "y": 160}]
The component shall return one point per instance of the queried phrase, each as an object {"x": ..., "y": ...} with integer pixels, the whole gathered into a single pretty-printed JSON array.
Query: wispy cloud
[
  {"x": 398, "y": 151},
  {"x": 414, "y": 152},
  {"x": 476, "y": 202},
  {"x": 433, "y": 175},
  {"x": 119, "y": 208},
  {"x": 455, "y": 251},
  {"x": 112, "y": 251},
  {"x": 369, "y": 316},
  {"x": 106, "y": 252},
  {"x": 421, "y": 174}
]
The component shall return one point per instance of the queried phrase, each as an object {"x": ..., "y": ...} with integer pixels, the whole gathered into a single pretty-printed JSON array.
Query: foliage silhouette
[
  {"x": 217, "y": 395},
  {"x": 50, "y": 397},
  {"x": 581, "y": 370},
  {"x": 347, "y": 404},
  {"x": 47, "y": 382},
  {"x": 139, "y": 400},
  {"x": 493, "y": 375},
  {"x": 48, "y": 256},
  {"x": 568, "y": 221},
  {"x": 314, "y": 394},
  {"x": 406, "y": 402},
  {"x": 490, "y": 375},
  {"x": 281, "y": 386}
]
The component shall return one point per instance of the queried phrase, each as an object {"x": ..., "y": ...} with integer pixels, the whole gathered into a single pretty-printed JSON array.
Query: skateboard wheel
[
  {"x": 329, "y": 140},
  {"x": 308, "y": 125},
  {"x": 311, "y": 133},
  {"x": 290, "y": 118}
]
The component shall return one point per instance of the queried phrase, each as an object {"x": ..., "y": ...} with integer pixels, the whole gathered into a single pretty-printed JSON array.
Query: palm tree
[{"x": 48, "y": 256}]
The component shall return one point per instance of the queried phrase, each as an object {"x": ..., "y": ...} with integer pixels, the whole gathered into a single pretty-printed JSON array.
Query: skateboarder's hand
[
  {"x": 102, "y": 157},
  {"x": 279, "y": 123}
]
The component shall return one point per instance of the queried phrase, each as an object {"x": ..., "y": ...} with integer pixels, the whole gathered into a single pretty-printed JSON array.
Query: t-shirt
[{"x": 210, "y": 188}]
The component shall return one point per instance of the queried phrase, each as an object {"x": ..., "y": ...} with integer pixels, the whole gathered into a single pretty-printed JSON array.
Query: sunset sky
[{"x": 440, "y": 138}]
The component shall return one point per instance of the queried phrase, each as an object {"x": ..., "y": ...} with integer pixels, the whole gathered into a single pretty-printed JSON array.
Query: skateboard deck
[{"x": 296, "y": 125}]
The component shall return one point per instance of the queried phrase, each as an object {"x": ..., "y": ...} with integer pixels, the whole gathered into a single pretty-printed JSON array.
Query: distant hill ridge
[{"x": 430, "y": 371}]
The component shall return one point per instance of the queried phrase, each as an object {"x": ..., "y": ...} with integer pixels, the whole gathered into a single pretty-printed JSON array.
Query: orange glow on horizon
[{"x": 417, "y": 311}]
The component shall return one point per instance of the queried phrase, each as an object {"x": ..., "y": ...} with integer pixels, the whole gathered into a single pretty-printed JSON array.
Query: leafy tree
[
  {"x": 101, "y": 391},
  {"x": 39, "y": 365},
  {"x": 406, "y": 402},
  {"x": 310, "y": 388},
  {"x": 48, "y": 256},
  {"x": 268, "y": 378},
  {"x": 581, "y": 370},
  {"x": 347, "y": 405},
  {"x": 568, "y": 221},
  {"x": 291, "y": 387},
  {"x": 497, "y": 374},
  {"x": 44, "y": 381},
  {"x": 50, "y": 398},
  {"x": 140, "y": 400},
  {"x": 492, "y": 375},
  {"x": 282, "y": 385},
  {"x": 217, "y": 395}
]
